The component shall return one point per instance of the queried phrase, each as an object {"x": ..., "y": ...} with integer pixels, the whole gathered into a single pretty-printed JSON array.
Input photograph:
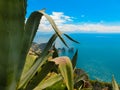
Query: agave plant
[
  {"x": 16, "y": 37},
  {"x": 12, "y": 39}
]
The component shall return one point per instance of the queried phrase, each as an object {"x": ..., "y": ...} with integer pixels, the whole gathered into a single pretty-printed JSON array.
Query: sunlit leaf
[
  {"x": 40, "y": 75},
  {"x": 55, "y": 78},
  {"x": 31, "y": 27},
  {"x": 66, "y": 70},
  {"x": 114, "y": 84},
  {"x": 58, "y": 32},
  {"x": 39, "y": 62}
]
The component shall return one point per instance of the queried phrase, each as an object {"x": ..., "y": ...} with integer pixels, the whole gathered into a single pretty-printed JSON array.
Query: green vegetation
[
  {"x": 44, "y": 71},
  {"x": 16, "y": 38}
]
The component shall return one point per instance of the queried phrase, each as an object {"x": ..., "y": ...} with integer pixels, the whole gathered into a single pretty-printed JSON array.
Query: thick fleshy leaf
[
  {"x": 55, "y": 54},
  {"x": 31, "y": 27},
  {"x": 71, "y": 38},
  {"x": 47, "y": 67},
  {"x": 66, "y": 70},
  {"x": 12, "y": 16},
  {"x": 114, "y": 84},
  {"x": 33, "y": 70},
  {"x": 58, "y": 32},
  {"x": 39, "y": 62},
  {"x": 74, "y": 59},
  {"x": 55, "y": 78}
]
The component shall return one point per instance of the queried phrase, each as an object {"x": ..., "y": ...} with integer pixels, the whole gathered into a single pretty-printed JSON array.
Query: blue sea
[{"x": 99, "y": 53}]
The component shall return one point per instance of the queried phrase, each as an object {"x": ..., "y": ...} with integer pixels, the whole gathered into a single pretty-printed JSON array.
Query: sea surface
[{"x": 99, "y": 53}]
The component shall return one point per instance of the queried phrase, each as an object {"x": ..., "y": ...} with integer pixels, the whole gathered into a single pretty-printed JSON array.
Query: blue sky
[{"x": 87, "y": 15}]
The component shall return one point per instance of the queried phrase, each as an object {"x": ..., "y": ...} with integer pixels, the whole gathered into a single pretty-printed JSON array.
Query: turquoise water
[{"x": 99, "y": 54}]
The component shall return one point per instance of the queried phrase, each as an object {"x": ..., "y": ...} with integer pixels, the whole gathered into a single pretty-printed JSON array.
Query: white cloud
[
  {"x": 63, "y": 24},
  {"x": 60, "y": 18}
]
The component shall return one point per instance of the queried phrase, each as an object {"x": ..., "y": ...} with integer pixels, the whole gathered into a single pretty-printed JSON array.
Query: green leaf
[
  {"x": 11, "y": 35},
  {"x": 4, "y": 53},
  {"x": 71, "y": 38},
  {"x": 37, "y": 65},
  {"x": 33, "y": 70},
  {"x": 55, "y": 78},
  {"x": 66, "y": 70},
  {"x": 114, "y": 84},
  {"x": 74, "y": 59},
  {"x": 47, "y": 67},
  {"x": 55, "y": 54},
  {"x": 30, "y": 30},
  {"x": 31, "y": 27},
  {"x": 58, "y": 32}
]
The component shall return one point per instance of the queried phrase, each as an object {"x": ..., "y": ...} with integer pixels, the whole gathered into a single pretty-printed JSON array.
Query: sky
[{"x": 79, "y": 15}]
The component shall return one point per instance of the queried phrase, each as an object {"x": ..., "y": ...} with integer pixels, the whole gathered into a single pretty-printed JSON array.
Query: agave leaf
[
  {"x": 55, "y": 54},
  {"x": 74, "y": 59},
  {"x": 4, "y": 53},
  {"x": 29, "y": 33},
  {"x": 114, "y": 84},
  {"x": 31, "y": 28},
  {"x": 11, "y": 34},
  {"x": 71, "y": 38},
  {"x": 39, "y": 62},
  {"x": 40, "y": 75},
  {"x": 54, "y": 27},
  {"x": 66, "y": 70},
  {"x": 55, "y": 78},
  {"x": 33, "y": 70}
]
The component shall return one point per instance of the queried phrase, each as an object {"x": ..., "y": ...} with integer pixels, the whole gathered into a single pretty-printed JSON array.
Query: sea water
[{"x": 98, "y": 56}]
